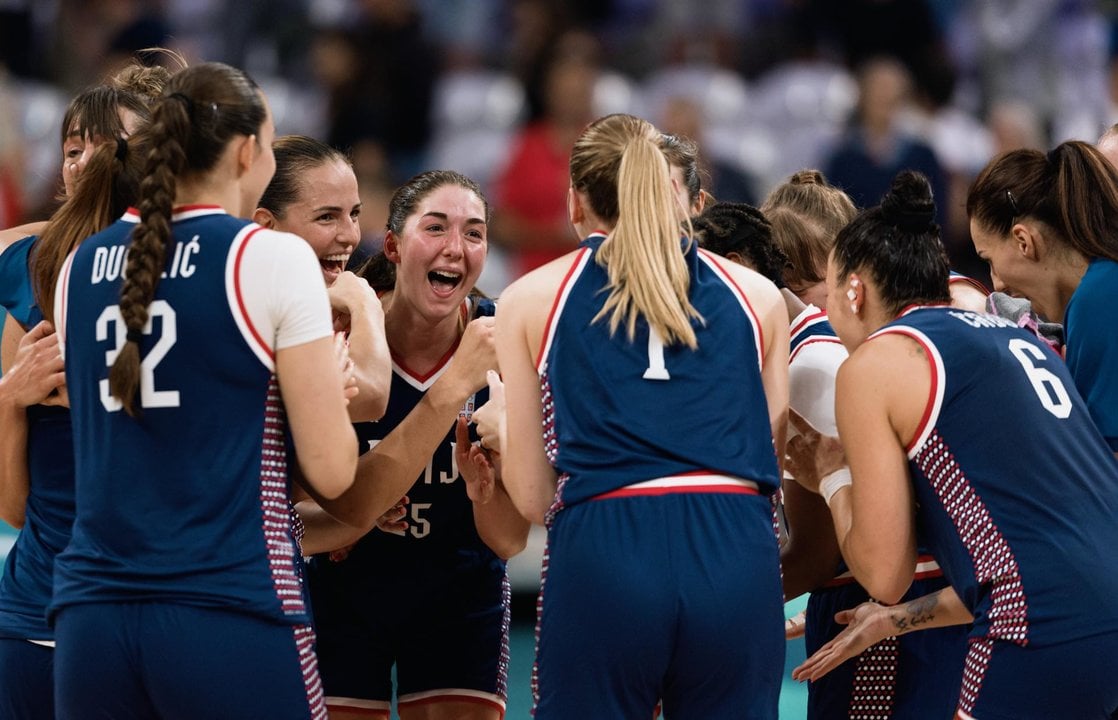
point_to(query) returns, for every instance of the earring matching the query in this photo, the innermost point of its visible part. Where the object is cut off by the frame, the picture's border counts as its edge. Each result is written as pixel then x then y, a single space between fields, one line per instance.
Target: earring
pixel 854 308
pixel 850 295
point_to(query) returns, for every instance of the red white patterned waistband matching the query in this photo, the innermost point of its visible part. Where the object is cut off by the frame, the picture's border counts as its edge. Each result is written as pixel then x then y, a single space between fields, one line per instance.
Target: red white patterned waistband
pixel 690 483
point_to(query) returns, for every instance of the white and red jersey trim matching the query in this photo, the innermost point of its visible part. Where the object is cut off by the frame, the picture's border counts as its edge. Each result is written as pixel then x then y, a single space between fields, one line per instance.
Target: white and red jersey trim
pixel 557 306
pixel 235 293
pixel 697 482
pixel 758 337
pixel 935 394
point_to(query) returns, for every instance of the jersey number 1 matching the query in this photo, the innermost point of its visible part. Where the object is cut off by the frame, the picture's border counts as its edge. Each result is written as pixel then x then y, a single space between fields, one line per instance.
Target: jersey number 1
pixel 149 396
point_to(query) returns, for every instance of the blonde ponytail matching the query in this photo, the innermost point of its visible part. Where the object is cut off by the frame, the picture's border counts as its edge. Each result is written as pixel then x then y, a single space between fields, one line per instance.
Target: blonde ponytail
pixel 617 162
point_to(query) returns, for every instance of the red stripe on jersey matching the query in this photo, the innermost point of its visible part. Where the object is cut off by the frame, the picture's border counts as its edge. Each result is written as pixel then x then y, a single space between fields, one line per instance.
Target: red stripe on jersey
pixel 555 304
pixel 805 343
pixel 240 297
pixel 821 315
pixel 749 306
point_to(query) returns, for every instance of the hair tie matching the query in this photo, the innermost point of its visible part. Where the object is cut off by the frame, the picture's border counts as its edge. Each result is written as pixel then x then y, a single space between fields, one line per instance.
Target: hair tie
pixel 133 335
pixel 186 101
pixel 121 149
pixel 914 221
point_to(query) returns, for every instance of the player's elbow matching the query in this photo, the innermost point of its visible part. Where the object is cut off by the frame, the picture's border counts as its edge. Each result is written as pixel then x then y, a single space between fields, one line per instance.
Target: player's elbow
pixel 331 473
pixel 507 547
pixel 369 404
pixel 13 516
pixel 887 587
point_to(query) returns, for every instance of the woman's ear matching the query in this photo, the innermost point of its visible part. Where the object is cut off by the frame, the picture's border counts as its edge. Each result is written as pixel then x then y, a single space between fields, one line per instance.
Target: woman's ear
pixel 1028 240
pixel 264 217
pixel 392 247
pixel 246 154
pixel 575 210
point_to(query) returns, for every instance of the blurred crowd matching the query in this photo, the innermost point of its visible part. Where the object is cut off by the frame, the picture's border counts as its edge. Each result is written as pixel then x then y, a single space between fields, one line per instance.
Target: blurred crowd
pixel 499 89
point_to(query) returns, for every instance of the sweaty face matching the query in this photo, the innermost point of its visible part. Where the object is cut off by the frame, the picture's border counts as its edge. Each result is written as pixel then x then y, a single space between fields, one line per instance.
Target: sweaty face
pixel 440 251
pixel 325 214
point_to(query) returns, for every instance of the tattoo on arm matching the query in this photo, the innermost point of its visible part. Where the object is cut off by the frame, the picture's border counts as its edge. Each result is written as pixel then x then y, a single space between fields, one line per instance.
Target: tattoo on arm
pixel 916 613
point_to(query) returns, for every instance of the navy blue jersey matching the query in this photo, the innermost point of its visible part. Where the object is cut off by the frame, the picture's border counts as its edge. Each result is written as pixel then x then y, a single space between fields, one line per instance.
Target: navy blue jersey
pixel 25 587
pixel 618 412
pixel 16 293
pixel 810 327
pixel 440 517
pixel 1015 487
pixel 1092 344
pixel 187 503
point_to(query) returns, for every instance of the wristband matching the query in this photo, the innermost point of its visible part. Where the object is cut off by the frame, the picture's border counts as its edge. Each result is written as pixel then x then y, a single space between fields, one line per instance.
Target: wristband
pixel 834 482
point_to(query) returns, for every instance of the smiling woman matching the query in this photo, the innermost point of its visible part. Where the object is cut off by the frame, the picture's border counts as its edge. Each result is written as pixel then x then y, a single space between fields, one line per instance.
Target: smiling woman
pixel 314 195
pixel 424 587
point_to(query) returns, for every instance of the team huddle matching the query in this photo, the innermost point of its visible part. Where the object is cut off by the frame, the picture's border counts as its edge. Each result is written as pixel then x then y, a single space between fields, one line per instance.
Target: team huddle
pixel 254 483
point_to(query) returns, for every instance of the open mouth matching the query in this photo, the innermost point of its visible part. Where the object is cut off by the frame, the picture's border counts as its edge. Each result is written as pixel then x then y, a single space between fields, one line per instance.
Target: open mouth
pixel 333 265
pixel 444 282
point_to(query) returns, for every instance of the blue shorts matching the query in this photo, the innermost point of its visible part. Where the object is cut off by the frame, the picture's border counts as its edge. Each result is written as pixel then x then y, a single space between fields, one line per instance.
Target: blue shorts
pixel 1077 679
pixel 674 597
pixel 155 660
pixel 26 680
pixel 918 674
pixel 449 644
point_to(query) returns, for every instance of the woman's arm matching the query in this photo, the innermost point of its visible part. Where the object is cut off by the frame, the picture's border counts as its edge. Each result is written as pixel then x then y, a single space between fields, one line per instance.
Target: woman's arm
pixel 811 555
pixel 33 372
pixel 358 311
pixel 314 399
pixel 528 476
pixel 385 473
pixel 498 523
pixel 881 393
pixel 870 623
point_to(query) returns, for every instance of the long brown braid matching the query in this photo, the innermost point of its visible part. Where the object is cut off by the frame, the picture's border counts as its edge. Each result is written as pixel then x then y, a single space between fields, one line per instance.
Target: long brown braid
pixel 202 109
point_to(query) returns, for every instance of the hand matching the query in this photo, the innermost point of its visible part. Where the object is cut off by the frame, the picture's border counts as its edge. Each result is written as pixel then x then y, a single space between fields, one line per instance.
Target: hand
pixel 349 295
pixel 490 417
pixel 810 456
pixel 345 366
pixel 795 626
pixel 393 520
pixel 867 625
pixel 477 471
pixel 476 354
pixel 37 372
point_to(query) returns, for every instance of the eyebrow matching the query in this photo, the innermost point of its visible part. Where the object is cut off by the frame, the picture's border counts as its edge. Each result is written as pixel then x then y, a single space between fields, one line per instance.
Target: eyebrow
pixel 332 208
pixel 444 216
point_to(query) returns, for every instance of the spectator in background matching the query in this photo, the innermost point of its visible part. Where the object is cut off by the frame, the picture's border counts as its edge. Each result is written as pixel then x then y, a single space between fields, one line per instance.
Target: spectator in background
pixel 380 78
pixel 875 148
pixel 683 116
pixel 532 188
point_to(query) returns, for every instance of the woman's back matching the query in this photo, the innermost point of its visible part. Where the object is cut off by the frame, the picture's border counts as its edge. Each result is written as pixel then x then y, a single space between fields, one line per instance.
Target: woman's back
pixel 619 411
pixel 1014 518
pixel 187 501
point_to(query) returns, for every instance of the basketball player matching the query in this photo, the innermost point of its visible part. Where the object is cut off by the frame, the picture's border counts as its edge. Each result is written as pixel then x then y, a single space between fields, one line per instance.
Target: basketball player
pixel 1015 516
pixel 175 361
pixel 662 577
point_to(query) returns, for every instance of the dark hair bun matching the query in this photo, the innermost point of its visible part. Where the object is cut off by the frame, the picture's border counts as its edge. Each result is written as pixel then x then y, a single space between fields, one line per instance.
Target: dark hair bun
pixel 908 205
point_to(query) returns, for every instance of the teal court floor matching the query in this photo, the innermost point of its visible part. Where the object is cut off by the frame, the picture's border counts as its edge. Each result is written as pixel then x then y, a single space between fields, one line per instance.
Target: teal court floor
pixel 793 696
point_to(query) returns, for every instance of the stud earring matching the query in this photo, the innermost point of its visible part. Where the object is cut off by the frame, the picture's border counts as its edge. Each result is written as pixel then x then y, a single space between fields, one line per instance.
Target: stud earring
pixel 854 308
pixel 850 294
